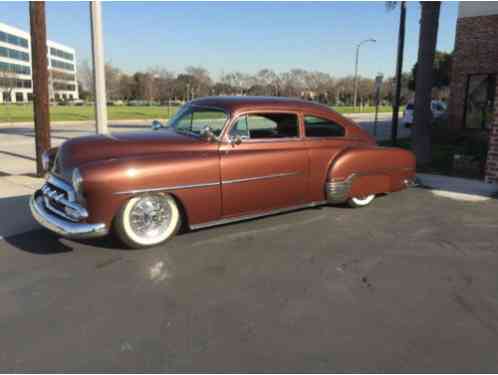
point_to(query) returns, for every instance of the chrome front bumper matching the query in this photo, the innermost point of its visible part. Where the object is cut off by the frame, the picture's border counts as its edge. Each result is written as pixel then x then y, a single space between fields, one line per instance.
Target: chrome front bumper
pixel 61 225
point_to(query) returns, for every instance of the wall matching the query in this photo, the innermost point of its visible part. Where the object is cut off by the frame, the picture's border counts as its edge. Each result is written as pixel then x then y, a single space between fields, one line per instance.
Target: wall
pixel 476 52
pixel 492 162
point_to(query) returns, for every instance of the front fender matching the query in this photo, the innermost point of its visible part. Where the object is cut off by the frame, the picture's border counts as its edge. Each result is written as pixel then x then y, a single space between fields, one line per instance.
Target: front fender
pixel 192 178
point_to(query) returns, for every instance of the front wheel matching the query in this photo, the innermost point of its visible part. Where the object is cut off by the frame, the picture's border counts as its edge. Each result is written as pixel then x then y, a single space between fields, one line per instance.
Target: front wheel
pixel 356 202
pixel 147 220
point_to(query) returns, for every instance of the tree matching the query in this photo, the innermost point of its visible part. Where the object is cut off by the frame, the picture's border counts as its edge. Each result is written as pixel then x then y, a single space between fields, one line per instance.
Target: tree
pixel 8 83
pixel 85 76
pixel 429 22
pixel 441 71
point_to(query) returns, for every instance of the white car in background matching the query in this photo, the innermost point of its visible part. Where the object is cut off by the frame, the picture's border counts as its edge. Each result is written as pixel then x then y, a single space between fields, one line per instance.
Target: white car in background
pixel 438 109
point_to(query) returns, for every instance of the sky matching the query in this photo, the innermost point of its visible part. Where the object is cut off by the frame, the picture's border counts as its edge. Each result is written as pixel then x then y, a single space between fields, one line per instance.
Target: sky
pixel 241 36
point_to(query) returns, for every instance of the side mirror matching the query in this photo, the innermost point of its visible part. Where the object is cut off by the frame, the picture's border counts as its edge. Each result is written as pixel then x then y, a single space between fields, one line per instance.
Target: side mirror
pixel 235 140
pixel 207 133
pixel 156 125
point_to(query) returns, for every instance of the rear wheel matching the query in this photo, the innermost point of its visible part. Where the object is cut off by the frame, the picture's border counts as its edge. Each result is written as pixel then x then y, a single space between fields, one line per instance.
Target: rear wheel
pixel 148 220
pixel 357 202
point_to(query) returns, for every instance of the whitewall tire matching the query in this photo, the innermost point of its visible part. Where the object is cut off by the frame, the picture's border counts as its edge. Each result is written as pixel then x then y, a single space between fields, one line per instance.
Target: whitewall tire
pixel 147 220
pixel 356 202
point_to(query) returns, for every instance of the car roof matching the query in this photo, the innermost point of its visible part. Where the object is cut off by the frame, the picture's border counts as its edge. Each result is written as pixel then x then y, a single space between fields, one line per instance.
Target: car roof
pixel 238 103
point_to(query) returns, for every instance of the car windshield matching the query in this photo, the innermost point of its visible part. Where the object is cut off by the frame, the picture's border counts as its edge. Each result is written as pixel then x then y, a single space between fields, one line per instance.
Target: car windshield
pixel 192 120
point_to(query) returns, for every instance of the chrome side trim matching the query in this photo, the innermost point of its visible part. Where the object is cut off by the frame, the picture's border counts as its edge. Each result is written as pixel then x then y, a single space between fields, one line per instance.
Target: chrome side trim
pixel 254 216
pixel 207 184
pixel 63 227
pixel 338 191
pixel 167 188
pixel 277 175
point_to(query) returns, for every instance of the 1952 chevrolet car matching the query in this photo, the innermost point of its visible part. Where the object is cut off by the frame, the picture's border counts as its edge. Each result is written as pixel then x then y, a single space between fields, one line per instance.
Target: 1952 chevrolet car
pixel 219 159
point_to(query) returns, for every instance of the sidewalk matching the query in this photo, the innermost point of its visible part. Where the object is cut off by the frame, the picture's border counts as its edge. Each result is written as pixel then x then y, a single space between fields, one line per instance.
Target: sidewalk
pixel 462 189
pixel 15 216
pixel 15 191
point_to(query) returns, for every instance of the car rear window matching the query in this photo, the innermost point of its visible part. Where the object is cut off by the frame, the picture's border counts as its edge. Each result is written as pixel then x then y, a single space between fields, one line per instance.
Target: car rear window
pixel 320 127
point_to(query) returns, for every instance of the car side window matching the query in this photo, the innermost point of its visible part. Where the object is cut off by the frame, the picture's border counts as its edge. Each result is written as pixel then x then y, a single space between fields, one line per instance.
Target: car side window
pixel 321 127
pixel 267 126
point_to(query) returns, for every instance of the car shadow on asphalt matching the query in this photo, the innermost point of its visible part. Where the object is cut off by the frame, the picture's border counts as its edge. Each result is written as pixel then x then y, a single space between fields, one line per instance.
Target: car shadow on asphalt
pixel 40 242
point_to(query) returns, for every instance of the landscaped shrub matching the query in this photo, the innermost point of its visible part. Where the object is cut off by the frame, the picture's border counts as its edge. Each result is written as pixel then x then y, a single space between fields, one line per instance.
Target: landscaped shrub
pixel 443 133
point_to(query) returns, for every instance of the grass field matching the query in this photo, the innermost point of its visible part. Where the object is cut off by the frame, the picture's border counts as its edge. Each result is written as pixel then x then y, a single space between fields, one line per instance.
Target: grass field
pixel 24 113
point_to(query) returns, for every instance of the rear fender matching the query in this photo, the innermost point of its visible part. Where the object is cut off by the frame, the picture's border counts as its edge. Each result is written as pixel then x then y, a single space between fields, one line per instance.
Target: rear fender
pixel 363 171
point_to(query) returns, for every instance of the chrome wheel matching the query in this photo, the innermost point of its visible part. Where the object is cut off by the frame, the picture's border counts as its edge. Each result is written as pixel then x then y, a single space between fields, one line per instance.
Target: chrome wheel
pixel 150 216
pixel 361 201
pixel 148 220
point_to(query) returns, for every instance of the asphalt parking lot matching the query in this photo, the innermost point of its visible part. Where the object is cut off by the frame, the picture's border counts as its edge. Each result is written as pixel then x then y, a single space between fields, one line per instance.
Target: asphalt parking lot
pixel 409 284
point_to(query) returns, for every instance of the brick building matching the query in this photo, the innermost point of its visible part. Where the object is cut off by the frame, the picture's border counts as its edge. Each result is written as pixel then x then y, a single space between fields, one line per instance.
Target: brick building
pixel 473 104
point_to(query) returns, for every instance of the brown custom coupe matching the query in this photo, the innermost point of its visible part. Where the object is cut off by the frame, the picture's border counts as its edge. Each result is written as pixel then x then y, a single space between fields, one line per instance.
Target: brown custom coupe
pixel 219 159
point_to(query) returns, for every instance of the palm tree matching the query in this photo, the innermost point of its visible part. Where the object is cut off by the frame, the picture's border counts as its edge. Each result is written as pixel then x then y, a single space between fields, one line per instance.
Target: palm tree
pixel 429 22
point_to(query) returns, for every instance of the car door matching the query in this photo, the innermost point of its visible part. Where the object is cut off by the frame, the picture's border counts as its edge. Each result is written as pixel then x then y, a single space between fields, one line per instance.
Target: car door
pixel 268 169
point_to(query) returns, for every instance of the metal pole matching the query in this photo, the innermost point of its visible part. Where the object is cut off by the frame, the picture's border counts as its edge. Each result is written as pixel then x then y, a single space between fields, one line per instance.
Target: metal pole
pixel 40 81
pixel 98 68
pixel 399 68
pixel 355 94
pixel 376 113
pixel 355 90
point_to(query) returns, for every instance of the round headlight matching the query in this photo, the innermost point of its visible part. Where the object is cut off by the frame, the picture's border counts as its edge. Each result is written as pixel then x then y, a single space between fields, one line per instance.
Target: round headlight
pixel 77 182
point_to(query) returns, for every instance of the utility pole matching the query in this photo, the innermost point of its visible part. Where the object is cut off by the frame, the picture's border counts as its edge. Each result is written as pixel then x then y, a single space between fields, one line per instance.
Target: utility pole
pixel 40 81
pixel 98 68
pixel 399 70
pixel 355 94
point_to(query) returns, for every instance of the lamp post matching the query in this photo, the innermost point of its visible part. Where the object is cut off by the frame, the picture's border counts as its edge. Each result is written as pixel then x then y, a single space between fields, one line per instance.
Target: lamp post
pixel 355 95
pixel 399 72
pixel 98 67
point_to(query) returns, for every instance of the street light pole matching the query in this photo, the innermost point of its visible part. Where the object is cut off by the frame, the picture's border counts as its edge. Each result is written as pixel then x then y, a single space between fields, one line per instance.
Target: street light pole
pixel 399 69
pixel 98 67
pixel 355 95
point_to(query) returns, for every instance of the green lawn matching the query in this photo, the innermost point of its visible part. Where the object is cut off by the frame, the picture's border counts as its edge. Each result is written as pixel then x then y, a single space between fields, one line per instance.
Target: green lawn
pixel 24 113
pixel 350 109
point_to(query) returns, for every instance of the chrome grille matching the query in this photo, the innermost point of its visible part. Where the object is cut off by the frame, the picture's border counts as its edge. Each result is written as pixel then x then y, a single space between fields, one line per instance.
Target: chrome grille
pixel 59 197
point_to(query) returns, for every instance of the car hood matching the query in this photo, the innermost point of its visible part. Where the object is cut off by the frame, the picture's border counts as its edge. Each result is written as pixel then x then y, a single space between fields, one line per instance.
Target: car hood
pixel 79 151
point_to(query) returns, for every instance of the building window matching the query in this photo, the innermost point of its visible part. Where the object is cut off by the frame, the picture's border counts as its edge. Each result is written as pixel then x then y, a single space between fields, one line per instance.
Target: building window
pixel 19 97
pixel 12 39
pixel 14 68
pixel 30 97
pixel 63 55
pixel 479 102
pixel 11 82
pixel 320 127
pixel 63 87
pixel 57 75
pixel 62 65
pixel 6 97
